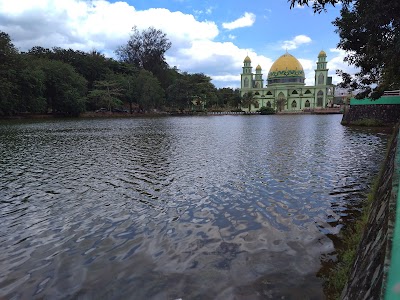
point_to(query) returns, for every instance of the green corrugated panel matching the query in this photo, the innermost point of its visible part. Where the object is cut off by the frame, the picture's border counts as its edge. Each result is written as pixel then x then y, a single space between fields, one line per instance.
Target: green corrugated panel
pixel 393 282
pixel 382 100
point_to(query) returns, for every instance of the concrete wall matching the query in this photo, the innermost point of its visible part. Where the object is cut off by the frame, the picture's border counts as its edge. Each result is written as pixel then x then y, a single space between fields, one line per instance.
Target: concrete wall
pixel 385 113
pixel 368 275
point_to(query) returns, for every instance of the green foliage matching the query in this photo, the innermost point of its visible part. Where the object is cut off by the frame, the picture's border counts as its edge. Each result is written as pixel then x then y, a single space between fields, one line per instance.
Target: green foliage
pixel 191 86
pixel 148 91
pixel 146 50
pixel 8 74
pixel 228 97
pixel 68 82
pixel 370 34
pixel 318 6
pixel 106 93
pixel 65 89
pixel 267 110
pixel 248 100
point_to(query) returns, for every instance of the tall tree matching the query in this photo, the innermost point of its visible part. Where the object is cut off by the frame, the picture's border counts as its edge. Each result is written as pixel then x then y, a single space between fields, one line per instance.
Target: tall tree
pixel 370 34
pixel 9 68
pixel 146 50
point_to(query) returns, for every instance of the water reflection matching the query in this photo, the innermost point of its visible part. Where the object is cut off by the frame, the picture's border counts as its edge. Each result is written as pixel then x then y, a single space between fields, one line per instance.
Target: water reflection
pixel 164 208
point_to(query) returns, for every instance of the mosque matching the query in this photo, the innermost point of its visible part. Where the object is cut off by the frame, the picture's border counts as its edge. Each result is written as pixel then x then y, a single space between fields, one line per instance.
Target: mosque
pixel 285 89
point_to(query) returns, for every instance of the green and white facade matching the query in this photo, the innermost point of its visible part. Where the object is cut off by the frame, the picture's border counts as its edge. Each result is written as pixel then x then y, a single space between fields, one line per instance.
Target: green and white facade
pixel 285 89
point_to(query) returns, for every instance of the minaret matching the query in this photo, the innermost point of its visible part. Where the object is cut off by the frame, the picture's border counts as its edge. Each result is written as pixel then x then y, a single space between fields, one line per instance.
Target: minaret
pixel 246 76
pixel 258 81
pixel 321 73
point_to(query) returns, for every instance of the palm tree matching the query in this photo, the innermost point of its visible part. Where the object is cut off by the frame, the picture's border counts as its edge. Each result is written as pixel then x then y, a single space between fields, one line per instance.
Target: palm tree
pixel 248 99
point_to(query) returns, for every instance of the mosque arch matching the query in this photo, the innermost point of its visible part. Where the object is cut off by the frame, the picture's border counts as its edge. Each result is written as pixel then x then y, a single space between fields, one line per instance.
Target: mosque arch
pixel 281 101
pixel 320 97
pixel 294 104
pixel 268 104
pixel 308 92
pixel 269 93
pixel 294 92
pixel 307 104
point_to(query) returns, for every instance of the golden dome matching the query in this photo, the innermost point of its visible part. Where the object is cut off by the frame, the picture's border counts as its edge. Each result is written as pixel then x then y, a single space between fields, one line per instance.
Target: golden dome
pixel 322 53
pixel 258 67
pixel 286 66
pixel 247 59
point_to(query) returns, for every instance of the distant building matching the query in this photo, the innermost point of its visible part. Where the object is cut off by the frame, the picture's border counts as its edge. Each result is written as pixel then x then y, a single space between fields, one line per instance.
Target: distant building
pixel 285 89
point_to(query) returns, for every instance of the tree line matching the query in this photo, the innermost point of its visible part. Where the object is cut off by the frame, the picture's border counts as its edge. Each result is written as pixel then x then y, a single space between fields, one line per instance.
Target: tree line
pixel 69 82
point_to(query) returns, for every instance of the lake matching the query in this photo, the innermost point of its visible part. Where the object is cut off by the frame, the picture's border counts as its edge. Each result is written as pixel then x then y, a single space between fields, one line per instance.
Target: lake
pixel 201 207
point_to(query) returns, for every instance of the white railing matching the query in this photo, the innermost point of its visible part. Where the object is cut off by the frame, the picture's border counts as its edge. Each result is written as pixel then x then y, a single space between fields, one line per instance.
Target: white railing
pixel 391 93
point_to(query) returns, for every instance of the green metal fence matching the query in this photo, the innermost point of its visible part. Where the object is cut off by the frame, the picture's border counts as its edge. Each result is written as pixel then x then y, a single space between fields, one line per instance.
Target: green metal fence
pixel 382 100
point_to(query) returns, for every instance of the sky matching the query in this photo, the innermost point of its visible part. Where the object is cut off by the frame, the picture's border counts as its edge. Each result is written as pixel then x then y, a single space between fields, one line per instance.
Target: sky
pixel 210 37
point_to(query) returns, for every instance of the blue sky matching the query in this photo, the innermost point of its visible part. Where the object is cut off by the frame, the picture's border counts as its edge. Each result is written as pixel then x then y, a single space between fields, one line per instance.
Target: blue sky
pixel 211 37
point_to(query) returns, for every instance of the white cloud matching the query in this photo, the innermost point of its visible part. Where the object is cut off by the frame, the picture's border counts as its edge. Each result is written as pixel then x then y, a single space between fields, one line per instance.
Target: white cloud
pixel 308 67
pixel 337 63
pixel 96 24
pixel 102 25
pixel 296 42
pixel 246 20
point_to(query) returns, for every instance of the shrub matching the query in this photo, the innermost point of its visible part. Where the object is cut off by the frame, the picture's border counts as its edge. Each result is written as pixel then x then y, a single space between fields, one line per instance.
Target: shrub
pixel 266 110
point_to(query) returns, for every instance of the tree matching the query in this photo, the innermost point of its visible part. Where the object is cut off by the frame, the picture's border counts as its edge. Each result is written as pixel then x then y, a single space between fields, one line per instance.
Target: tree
pixel 229 97
pixel 9 67
pixel 178 93
pixel 106 93
pixel 148 91
pixel 248 100
pixel 146 50
pixel 64 88
pixel 318 5
pixel 31 87
pixel 370 34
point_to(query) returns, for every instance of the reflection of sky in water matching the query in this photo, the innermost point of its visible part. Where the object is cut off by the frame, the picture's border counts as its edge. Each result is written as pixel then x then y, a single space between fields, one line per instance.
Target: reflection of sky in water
pixel 177 207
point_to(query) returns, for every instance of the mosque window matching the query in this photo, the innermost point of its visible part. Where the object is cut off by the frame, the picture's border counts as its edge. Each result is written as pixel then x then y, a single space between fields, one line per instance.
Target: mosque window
pixel 269 93
pixel 307 92
pixel 321 78
pixel 268 104
pixel 320 97
pixel 294 104
pixel 256 105
pixel 246 82
pixel 294 92
pixel 256 93
pixel 307 104
pixel 257 85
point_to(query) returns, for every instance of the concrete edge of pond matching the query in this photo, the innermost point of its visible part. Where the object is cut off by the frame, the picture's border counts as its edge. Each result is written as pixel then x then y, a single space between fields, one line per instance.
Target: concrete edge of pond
pixel 392 290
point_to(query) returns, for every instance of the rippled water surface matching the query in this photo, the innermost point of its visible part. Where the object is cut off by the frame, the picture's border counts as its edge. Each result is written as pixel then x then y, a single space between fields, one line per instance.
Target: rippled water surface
pixel 218 207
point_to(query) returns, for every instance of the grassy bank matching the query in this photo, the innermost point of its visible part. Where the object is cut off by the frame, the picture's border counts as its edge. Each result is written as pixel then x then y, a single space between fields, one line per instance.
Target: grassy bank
pixel 351 237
